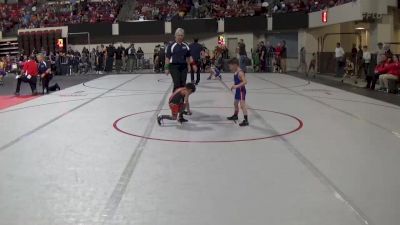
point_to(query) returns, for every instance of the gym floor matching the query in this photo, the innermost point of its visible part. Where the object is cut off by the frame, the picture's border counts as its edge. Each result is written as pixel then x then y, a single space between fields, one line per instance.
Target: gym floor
pixel 93 154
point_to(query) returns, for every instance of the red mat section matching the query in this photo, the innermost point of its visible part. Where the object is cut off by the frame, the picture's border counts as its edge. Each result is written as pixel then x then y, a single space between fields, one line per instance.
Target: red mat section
pixel 8 101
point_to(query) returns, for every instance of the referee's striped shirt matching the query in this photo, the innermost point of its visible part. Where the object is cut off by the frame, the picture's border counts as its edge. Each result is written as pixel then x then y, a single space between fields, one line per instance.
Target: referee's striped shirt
pixel 178 53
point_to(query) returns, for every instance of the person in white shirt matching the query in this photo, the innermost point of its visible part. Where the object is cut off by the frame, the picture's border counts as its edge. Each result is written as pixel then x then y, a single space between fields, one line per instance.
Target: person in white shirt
pixel 366 60
pixel 380 54
pixel 339 55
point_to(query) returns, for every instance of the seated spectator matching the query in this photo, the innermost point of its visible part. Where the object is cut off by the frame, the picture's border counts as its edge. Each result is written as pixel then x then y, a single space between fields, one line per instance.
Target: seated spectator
pixel 379 69
pixel 389 72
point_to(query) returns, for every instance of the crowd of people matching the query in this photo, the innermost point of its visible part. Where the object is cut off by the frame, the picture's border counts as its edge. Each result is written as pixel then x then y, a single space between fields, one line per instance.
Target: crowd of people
pixel 361 62
pixel 168 10
pixel 269 58
pixel 10 14
pixel 30 14
pixel 61 13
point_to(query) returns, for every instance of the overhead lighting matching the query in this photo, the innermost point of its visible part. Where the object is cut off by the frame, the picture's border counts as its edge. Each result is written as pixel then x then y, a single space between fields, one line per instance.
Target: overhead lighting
pixel 360 28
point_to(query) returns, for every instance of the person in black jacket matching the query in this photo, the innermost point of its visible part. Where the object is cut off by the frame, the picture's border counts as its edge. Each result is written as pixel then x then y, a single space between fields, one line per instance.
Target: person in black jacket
pixel 110 58
pixel 195 52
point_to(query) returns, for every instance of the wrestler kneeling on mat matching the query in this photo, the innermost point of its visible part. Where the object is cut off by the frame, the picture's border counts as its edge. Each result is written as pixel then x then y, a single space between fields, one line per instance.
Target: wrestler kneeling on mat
pixel 178 103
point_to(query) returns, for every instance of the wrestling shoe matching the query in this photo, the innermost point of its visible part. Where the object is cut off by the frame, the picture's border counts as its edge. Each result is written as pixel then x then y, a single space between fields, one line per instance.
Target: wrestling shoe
pixel 234 117
pixel 245 123
pixel 159 120
pixel 182 120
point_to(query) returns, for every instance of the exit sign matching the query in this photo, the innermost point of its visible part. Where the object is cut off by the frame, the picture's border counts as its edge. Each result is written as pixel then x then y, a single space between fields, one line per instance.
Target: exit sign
pixel 324 16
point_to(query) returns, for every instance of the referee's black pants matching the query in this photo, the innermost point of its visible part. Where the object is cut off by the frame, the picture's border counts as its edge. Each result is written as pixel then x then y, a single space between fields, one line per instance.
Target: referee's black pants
pixel 178 74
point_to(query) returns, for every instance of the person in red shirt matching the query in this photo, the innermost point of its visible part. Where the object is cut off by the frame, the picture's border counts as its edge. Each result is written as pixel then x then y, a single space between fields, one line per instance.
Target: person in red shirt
pixel 278 57
pixel 371 80
pixel 29 75
pixel 389 72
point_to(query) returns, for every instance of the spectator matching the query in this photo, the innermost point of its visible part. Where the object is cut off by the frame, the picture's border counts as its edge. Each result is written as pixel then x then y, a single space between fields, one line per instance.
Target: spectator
pixel 140 57
pixel 303 64
pixel 390 72
pixel 131 51
pixel 354 53
pixel 263 57
pixel 349 70
pixel 359 61
pixel 270 52
pixel 161 56
pixel 380 54
pixel 284 57
pixel 110 53
pixel 339 56
pixel 241 50
pixel 255 55
pixel 312 65
pixel 371 80
pixel 119 54
pixel 195 52
pixel 366 60
pixel 100 55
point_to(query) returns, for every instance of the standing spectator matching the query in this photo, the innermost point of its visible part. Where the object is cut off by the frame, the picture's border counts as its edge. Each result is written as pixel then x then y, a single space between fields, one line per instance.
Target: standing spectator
pixel 380 54
pixel 302 64
pixel 29 75
pixel 241 50
pixel 92 58
pixel 366 60
pixel 263 57
pixel 269 56
pixel 339 56
pixel 131 51
pixel 195 52
pixel 359 61
pixel 119 54
pixel 140 57
pixel 312 65
pixel 278 57
pixel 110 53
pixel 178 59
pixel 99 59
pixel 284 57
pixel 156 59
pixel 161 56
pixel 354 53
pixel 255 55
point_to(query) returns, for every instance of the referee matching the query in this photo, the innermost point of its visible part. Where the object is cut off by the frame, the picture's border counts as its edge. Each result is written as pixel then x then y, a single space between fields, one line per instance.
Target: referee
pixel 45 74
pixel 178 60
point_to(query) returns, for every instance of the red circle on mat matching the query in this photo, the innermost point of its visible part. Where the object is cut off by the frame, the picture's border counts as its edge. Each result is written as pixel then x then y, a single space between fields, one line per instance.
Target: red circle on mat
pixel 299 127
